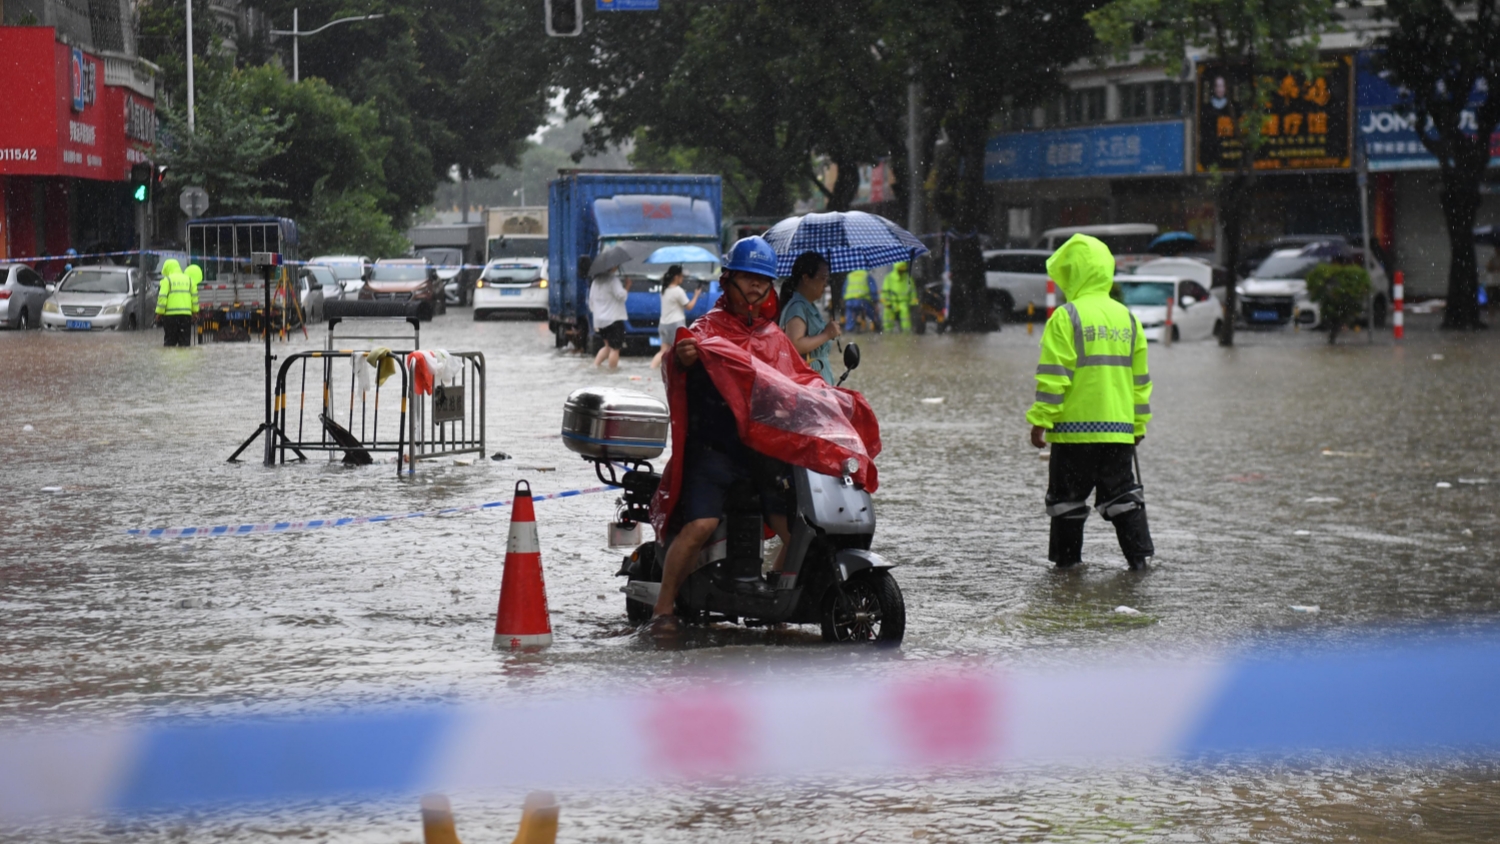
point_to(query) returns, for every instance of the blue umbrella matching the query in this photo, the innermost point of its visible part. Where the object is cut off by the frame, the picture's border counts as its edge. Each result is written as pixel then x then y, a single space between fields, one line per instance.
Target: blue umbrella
pixel 682 255
pixel 850 240
pixel 1174 242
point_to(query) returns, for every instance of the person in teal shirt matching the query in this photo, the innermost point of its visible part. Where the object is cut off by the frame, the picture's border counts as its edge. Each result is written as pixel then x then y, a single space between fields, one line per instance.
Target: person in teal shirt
pixel 811 335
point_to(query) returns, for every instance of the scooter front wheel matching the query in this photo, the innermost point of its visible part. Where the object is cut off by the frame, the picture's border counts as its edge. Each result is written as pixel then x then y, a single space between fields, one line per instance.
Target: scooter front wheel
pixel 869 608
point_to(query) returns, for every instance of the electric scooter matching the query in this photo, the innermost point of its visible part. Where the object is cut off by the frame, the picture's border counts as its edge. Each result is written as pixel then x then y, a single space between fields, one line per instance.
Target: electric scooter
pixel 830 577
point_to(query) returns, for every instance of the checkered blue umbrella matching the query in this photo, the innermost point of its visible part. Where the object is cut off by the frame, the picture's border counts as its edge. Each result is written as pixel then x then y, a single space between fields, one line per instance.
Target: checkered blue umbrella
pixel 850 240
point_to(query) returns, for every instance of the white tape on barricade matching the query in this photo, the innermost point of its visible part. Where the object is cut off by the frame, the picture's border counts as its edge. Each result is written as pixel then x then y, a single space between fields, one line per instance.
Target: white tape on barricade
pixel 1436 694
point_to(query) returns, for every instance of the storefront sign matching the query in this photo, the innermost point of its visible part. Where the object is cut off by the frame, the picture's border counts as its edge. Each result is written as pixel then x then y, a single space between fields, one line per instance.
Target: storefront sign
pixel 83 71
pixel 1305 125
pixel 59 119
pixel 1390 134
pixel 1139 149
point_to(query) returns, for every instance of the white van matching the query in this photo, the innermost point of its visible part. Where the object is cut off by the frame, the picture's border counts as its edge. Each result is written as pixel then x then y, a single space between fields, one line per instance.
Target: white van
pixel 1130 242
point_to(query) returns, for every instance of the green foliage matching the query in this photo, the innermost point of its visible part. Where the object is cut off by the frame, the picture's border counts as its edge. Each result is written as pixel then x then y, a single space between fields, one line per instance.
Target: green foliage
pixel 1340 291
pixel 348 222
pixel 227 151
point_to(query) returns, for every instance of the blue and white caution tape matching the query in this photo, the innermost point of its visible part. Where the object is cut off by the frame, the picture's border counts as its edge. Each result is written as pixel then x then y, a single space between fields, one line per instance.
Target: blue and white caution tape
pixel 1390 698
pixel 253 529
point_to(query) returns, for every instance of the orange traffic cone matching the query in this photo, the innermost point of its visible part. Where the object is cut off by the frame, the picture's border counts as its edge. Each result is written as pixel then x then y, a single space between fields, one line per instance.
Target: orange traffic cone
pixel 522 622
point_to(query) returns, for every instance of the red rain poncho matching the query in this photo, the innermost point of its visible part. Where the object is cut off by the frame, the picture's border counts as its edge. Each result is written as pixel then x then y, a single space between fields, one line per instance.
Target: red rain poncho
pixel 783 408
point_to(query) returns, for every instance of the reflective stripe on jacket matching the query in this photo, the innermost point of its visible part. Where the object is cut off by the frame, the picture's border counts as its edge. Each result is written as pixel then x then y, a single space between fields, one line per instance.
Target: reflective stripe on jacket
pixel 857 285
pixel 1092 381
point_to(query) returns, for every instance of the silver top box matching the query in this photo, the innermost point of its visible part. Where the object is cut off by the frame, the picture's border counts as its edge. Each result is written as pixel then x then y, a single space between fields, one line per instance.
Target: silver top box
pixel 603 423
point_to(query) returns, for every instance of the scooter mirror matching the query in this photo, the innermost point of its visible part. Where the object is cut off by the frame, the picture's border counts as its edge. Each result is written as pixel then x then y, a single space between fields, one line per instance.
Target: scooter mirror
pixel 851 356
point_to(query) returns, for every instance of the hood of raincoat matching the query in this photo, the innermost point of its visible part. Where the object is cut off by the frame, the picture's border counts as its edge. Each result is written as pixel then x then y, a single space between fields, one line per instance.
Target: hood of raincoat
pixel 1083 266
pixel 782 408
pixel 170 267
pixel 194 273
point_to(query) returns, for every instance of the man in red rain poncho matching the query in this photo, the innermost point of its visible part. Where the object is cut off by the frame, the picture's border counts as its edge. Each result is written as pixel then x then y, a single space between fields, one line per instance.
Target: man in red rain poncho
pixel 744 405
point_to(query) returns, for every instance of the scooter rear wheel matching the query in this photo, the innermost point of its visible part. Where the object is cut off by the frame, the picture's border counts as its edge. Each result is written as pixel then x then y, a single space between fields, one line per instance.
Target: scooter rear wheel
pixel 869 608
pixel 648 570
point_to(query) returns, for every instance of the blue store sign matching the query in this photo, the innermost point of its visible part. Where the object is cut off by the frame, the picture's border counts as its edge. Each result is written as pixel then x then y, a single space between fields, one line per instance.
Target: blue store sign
pixel 1390 135
pixel 626 5
pixel 1138 149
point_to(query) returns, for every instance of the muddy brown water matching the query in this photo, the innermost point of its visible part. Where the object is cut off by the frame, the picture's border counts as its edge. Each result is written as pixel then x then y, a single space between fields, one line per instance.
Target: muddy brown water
pixel 1282 472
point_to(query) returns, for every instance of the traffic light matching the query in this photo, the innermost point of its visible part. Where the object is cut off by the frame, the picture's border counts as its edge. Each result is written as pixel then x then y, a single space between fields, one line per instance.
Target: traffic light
pixel 564 17
pixel 158 177
pixel 141 177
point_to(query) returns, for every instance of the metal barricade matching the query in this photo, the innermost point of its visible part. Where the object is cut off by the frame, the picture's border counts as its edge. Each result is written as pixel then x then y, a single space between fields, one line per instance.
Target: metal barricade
pixel 393 418
pixel 450 420
pixel 377 418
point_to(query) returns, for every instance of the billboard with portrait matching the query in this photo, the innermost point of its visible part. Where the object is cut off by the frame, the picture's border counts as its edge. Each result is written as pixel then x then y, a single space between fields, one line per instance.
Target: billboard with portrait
pixel 1306 123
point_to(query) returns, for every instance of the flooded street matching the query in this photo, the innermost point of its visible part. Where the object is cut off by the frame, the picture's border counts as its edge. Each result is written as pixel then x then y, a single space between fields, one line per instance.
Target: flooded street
pixel 1358 479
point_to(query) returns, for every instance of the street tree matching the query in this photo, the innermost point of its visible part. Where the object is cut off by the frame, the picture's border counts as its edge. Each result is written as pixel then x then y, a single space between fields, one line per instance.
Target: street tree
pixel 1445 59
pixel 974 58
pixel 228 148
pixel 1257 36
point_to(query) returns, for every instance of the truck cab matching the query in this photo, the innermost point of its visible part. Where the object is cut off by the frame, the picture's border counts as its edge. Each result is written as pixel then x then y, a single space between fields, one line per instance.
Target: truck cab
pixel 590 212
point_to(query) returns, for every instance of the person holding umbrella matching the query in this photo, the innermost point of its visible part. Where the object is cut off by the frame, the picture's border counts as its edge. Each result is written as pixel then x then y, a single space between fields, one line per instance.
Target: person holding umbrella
pixel 607 296
pixel 674 307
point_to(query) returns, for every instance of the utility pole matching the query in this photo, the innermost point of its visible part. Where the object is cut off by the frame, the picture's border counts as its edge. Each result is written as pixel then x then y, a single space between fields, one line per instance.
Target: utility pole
pixel 190 62
pixel 297 33
pixel 913 159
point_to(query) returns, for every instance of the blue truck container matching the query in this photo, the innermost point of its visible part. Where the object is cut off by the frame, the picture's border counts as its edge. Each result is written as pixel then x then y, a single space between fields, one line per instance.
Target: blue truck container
pixel 589 212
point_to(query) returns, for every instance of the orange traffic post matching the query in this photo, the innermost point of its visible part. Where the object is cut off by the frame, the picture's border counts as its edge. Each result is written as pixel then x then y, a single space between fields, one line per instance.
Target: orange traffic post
pixel 521 622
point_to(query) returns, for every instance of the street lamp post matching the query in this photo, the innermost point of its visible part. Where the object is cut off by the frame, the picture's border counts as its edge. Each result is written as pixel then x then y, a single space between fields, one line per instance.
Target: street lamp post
pixel 189 5
pixel 296 32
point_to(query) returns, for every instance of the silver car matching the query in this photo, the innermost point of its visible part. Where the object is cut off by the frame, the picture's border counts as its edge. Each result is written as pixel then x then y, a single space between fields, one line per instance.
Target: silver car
pixel 22 295
pixel 101 297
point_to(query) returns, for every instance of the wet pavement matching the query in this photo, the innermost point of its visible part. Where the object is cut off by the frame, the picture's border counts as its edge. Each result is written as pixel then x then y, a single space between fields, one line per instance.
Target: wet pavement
pixel 1280 473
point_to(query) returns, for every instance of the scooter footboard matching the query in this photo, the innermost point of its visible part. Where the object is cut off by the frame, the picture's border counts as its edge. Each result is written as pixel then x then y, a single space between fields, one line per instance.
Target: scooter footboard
pixel 849 562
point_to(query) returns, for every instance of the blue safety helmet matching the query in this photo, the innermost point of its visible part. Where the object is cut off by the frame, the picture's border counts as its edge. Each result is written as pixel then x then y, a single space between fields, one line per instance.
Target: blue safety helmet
pixel 752 255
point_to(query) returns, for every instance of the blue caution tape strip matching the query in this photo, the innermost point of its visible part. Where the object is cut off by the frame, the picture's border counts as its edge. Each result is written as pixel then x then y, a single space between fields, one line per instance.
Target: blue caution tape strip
pixel 254 529
pixel 1431 694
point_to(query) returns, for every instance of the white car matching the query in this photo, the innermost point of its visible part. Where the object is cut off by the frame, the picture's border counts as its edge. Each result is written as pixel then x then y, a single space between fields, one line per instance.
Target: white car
pixel 1276 291
pixel 512 285
pixel 1196 310
pixel 96 297
pixel 1016 278
pixel 352 271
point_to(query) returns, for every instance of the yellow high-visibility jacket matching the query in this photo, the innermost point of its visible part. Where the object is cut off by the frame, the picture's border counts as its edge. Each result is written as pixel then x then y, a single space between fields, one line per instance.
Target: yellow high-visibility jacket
pixel 1092 382
pixel 178 295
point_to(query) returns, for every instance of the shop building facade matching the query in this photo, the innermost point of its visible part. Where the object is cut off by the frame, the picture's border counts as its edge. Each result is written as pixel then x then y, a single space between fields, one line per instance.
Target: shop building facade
pixel 1134 144
pixel 77 119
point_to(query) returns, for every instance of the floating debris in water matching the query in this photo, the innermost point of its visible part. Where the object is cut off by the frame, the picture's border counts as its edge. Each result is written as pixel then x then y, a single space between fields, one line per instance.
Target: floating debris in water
pixel 463 461
pixel 52 489
pixel 933 400
pixel 1301 533
pixel 499 455
pixel 27 428
pixel 1477 481
pixel 1444 485
pixel 1435 357
pixel 1322 499
pixel 1328 452
pixel 1123 610
pixel 1304 608
pixel 1467 532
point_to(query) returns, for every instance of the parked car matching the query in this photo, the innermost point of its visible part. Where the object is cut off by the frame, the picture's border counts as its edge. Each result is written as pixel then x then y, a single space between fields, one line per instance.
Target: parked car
pixel 1204 272
pixel 515 285
pixel 405 279
pixel 1016 278
pixel 101 297
pixel 22 295
pixel 1196 311
pixel 333 288
pixel 1276 291
pixel 351 270
pixel 449 265
pixel 1130 242
pixel 313 285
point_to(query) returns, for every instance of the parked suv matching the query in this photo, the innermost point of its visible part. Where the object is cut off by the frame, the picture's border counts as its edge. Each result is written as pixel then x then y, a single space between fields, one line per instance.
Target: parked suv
pixel 405 279
pixel 1016 278
pixel 22 293
pixel 1276 291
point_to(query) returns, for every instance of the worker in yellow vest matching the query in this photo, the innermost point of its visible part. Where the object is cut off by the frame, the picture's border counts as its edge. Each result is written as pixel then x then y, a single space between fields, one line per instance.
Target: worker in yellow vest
pixel 857 301
pixel 897 297
pixel 176 302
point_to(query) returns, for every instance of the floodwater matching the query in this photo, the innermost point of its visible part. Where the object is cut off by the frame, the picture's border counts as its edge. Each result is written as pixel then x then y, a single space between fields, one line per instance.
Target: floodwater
pixel 1282 472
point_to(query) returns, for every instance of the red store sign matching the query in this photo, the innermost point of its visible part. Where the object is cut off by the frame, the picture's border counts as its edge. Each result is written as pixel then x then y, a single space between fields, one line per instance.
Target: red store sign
pixel 61 119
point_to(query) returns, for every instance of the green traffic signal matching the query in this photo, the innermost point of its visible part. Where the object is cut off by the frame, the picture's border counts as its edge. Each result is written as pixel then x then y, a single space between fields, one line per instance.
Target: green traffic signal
pixel 140 193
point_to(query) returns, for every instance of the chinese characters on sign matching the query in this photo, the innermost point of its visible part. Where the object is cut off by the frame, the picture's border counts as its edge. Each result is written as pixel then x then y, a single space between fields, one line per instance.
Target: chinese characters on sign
pixel 1305 123
pixel 1139 149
